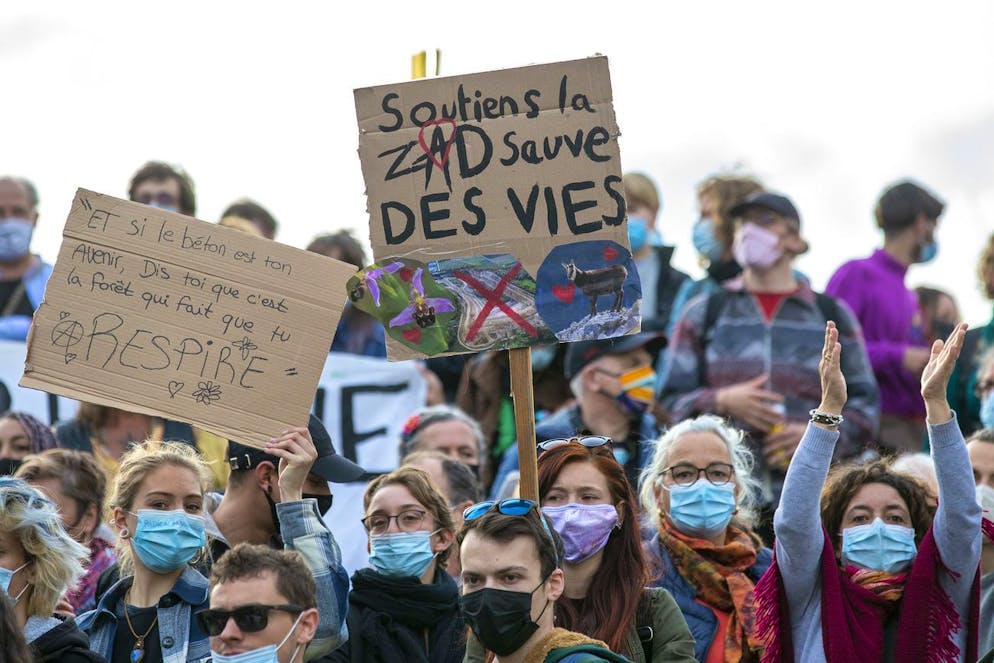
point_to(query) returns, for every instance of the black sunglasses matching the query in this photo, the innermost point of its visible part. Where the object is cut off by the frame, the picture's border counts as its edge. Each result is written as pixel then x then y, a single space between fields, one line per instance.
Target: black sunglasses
pixel 249 618
pixel 589 441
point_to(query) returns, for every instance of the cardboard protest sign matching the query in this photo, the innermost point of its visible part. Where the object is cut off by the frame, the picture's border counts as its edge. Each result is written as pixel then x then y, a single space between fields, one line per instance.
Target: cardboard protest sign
pixel 155 312
pixel 497 213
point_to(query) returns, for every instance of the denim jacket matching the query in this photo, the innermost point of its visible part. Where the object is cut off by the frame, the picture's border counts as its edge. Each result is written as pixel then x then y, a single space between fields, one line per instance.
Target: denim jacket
pixel 302 529
pixel 180 637
pixel 700 618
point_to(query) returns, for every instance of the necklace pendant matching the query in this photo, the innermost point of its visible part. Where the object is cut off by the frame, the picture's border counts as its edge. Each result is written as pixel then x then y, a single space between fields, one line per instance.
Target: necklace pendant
pixel 138 653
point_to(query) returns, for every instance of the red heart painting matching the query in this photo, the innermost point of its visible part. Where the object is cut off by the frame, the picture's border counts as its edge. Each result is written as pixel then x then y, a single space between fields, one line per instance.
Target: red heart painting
pixel 413 335
pixel 405 274
pixel 448 141
pixel 610 253
pixel 564 293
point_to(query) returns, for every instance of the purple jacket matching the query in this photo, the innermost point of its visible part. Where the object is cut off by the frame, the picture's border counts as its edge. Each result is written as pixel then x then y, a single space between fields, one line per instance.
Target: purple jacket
pixel 891 320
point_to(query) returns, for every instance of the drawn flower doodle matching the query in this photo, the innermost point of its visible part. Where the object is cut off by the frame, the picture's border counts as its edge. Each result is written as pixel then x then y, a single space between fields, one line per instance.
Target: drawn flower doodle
pixel 245 346
pixel 207 393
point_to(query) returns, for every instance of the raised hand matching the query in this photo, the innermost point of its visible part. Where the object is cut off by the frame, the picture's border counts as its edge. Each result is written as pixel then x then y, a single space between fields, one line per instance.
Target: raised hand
pixel 935 377
pixel 297 454
pixel 833 383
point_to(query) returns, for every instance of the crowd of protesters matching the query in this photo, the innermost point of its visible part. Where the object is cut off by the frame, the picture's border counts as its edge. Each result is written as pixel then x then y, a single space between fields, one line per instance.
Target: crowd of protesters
pixel 811 478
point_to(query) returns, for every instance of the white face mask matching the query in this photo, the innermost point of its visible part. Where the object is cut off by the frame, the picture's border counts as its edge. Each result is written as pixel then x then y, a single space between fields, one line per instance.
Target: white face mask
pixel 266 654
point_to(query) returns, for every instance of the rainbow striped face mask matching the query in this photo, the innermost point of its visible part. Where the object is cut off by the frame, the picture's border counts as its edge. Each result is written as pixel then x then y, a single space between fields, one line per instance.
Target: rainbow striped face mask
pixel 639 390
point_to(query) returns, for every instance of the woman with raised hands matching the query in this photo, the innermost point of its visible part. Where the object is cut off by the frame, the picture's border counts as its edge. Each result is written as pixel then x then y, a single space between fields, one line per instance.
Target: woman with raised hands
pixel 864 570
pixel 699 490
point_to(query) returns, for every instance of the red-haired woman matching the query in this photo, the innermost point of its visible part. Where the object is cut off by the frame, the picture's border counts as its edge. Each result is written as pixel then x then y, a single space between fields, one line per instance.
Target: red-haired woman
pixel 585 495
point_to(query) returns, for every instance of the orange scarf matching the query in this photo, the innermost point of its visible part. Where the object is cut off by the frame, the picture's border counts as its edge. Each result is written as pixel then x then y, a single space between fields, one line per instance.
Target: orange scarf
pixel 717 573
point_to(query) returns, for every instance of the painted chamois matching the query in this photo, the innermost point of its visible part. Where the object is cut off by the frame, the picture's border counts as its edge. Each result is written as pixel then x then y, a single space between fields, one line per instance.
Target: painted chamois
pixel 597 282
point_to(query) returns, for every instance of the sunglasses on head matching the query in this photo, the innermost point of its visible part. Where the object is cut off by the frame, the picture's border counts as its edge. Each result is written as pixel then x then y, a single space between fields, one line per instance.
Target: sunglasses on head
pixel 515 506
pixel 589 441
pixel 248 618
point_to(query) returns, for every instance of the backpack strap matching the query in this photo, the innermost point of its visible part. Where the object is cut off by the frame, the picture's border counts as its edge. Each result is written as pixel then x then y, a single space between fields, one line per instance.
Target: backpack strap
pixel 713 307
pixel 643 623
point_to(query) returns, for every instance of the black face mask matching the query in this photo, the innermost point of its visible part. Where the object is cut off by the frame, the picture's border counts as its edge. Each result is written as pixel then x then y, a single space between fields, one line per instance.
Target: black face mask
pixel 324 502
pixel 9 465
pixel 501 620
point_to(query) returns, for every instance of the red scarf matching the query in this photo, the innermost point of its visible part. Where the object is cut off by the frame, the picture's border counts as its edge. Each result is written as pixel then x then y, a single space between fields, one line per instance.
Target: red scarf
pixel 853 614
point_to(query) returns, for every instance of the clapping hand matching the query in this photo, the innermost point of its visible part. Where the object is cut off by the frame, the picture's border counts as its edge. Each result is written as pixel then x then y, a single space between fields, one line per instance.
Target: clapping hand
pixel 936 375
pixel 833 383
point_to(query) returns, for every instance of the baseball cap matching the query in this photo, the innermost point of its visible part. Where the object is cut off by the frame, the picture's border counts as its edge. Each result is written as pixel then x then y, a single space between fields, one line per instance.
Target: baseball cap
pixel 329 465
pixel 581 353
pixel 771 201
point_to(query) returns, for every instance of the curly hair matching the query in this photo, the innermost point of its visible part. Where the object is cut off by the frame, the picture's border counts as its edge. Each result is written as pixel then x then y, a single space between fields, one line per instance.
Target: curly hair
pixel 136 464
pixel 844 481
pixel 55 558
pixel 985 268
pixel 291 577
pixel 727 190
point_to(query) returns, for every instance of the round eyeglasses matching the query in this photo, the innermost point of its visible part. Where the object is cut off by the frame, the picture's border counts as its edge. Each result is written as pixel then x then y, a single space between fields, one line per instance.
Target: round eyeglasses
pixel 685 474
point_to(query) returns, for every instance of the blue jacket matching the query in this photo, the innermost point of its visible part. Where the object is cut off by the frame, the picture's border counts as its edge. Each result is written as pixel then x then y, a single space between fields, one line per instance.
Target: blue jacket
pixel 700 618
pixel 180 637
pixel 15 327
pixel 568 423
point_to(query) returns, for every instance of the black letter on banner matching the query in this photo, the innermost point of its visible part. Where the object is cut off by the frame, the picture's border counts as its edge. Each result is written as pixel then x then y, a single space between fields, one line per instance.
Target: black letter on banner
pixel 387 98
pixel 619 199
pixel 388 227
pixel 572 208
pixel 351 438
pixel 465 170
pixel 428 215
pixel 525 216
pixel 481 219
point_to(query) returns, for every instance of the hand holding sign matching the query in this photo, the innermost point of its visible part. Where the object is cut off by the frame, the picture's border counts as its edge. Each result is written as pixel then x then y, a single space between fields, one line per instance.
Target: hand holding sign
pixel 158 313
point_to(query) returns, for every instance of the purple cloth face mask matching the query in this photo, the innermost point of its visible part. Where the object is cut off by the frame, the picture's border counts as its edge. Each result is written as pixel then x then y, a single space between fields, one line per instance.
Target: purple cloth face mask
pixel 584 528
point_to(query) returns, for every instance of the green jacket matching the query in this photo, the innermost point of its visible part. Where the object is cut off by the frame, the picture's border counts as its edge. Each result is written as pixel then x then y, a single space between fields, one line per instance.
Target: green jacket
pixel 584 654
pixel 671 638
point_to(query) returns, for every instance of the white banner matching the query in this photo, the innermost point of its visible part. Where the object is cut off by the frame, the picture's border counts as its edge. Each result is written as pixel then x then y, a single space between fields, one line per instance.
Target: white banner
pixel 364 403
pixel 46 407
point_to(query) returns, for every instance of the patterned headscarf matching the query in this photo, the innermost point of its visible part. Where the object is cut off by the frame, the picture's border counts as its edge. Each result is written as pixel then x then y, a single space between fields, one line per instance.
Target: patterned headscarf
pixel 41 436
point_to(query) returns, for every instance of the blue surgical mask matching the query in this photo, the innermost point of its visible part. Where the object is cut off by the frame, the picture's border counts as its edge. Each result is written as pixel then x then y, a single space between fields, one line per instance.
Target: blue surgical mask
pixel 167 540
pixel 267 654
pixel 929 251
pixel 163 206
pixel 15 238
pixel 638 232
pixel 705 241
pixel 542 357
pixel 6 575
pixel 401 554
pixel 879 547
pixel 702 510
pixel 987 411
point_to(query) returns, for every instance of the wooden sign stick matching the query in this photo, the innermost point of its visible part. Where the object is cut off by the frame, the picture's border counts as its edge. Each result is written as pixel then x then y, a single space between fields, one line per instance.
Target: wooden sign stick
pixel 524 420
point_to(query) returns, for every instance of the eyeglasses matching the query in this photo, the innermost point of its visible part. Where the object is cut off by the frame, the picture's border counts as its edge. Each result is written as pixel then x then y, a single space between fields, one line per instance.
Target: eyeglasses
pixel 511 507
pixel 248 618
pixel 685 474
pixel 589 441
pixel 407 521
pixel 161 198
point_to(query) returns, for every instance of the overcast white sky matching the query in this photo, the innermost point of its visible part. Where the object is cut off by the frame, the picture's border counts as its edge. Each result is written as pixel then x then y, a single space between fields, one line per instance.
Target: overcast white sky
pixel 826 103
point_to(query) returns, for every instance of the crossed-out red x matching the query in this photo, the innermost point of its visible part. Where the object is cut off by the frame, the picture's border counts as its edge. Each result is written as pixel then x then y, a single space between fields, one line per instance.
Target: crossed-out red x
pixel 494 301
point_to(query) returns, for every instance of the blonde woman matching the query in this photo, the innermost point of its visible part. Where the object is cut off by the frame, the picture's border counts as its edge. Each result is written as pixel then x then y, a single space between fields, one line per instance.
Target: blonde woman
pixel 157 505
pixel 39 562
